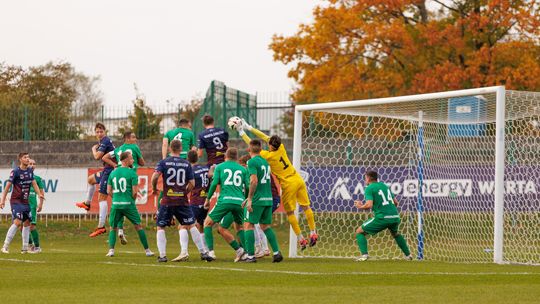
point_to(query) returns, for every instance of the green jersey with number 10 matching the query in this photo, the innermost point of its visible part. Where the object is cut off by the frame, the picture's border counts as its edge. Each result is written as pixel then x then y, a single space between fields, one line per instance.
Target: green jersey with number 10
pixel 383 200
pixel 122 180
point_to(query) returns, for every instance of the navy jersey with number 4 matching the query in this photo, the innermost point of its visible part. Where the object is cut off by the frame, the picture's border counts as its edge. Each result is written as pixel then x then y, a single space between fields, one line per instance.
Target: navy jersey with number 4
pixel 105 146
pixel 22 181
pixel 198 195
pixel 176 173
pixel 214 141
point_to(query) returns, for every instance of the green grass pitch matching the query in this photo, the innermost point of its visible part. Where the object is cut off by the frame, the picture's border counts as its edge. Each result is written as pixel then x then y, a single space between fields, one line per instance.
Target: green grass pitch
pixel 73 269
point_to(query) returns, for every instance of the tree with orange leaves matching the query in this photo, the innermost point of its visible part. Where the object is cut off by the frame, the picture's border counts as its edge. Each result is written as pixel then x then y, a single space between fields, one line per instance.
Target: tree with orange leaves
pixel 358 49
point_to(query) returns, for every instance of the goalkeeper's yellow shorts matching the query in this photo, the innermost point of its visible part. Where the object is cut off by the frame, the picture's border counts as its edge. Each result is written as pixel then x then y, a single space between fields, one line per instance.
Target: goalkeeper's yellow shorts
pixel 293 190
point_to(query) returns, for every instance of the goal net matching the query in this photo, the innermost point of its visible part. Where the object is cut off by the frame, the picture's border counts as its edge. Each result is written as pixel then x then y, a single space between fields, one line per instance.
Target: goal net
pixel 464 166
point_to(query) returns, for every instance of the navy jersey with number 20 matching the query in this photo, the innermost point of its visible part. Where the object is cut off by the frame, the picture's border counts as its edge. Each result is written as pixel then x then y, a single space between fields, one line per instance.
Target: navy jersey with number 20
pixel 176 173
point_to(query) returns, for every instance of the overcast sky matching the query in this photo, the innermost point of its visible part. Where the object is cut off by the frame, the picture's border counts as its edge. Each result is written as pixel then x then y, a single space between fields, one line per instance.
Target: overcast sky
pixel 171 49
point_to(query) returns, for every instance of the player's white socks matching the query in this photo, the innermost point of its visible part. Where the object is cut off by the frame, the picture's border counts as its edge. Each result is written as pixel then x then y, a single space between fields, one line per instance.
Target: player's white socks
pixel 10 234
pixel 184 241
pixel 120 231
pixel 203 240
pixel 161 243
pixel 90 192
pixel 25 237
pixel 196 236
pixel 103 208
pixel 259 234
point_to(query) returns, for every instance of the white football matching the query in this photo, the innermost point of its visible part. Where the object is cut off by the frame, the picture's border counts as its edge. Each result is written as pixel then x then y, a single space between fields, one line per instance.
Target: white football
pixel 233 122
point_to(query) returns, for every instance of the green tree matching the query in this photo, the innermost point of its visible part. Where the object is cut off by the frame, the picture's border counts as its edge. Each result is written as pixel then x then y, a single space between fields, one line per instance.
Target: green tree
pixel 38 102
pixel 142 120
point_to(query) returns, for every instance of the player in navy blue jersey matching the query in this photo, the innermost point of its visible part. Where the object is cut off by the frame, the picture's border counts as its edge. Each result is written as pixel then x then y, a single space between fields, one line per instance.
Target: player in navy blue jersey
pixel 214 141
pixel 21 178
pixel 177 183
pixel 105 146
pixel 198 194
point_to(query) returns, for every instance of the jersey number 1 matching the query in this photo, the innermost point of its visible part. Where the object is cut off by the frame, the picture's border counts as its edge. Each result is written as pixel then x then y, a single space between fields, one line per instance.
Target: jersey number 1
pixel 285 165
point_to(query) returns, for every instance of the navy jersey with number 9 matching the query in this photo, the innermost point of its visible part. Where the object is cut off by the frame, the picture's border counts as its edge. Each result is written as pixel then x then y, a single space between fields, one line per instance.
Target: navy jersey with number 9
pixel 214 141
pixel 177 173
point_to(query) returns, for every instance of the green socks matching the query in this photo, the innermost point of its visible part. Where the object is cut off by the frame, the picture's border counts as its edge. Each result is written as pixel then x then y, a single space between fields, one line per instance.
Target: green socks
pixel 242 237
pixel 362 243
pixel 402 243
pixel 250 242
pixel 209 238
pixel 234 244
pixel 112 238
pixel 271 236
pixel 142 238
pixel 35 237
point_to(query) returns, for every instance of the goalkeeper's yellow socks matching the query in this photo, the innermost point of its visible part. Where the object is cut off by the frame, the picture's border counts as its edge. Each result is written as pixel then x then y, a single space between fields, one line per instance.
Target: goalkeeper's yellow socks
pixel 209 238
pixel 402 243
pixel 310 219
pixel 362 243
pixel 294 223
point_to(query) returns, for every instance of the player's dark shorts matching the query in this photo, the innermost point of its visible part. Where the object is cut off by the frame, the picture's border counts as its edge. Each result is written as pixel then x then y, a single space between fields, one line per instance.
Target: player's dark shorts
pixel 199 213
pixel 276 201
pixel 183 214
pixel 21 212
pixel 102 178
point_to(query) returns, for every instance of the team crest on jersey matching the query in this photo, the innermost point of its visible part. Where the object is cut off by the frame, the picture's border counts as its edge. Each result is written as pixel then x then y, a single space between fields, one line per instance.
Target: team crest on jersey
pixel 142 194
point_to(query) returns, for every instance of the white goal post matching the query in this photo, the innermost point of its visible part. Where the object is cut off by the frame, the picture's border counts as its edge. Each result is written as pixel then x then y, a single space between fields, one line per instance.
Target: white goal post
pixel 444 156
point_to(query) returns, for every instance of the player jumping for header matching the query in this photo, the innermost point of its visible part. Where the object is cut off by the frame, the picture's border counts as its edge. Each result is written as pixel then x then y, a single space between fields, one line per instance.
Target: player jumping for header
pixel 292 184
pixel 382 201
pixel 104 146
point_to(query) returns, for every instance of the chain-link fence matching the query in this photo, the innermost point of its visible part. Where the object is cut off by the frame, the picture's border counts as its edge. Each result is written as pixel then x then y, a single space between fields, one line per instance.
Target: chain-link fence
pixel 271 112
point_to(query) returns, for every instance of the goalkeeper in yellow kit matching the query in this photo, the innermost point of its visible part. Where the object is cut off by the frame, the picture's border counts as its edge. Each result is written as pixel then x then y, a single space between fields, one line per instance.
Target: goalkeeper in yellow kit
pixel 292 184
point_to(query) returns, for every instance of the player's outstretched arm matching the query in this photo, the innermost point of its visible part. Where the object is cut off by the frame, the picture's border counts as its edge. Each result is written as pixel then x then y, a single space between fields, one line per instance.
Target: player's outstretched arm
pixel 107 158
pixel 164 148
pixel 213 186
pixel 155 178
pixel 255 131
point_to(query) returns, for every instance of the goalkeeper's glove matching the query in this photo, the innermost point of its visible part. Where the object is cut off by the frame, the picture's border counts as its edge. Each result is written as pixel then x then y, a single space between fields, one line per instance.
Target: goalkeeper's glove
pixel 240 128
pixel 246 125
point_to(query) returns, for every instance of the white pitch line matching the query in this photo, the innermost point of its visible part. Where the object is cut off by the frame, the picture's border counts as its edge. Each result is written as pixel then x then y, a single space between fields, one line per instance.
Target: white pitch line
pixel 22 261
pixel 304 273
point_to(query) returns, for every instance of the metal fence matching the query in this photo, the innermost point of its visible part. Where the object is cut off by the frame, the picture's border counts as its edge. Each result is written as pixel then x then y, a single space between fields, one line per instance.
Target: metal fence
pixel 267 111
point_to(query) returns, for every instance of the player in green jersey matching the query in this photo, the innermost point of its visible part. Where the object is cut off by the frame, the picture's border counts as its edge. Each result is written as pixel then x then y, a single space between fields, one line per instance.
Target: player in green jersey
pixel 130 145
pixel 184 134
pixel 113 159
pixel 380 199
pixel 123 187
pixel 258 206
pixel 34 209
pixel 233 180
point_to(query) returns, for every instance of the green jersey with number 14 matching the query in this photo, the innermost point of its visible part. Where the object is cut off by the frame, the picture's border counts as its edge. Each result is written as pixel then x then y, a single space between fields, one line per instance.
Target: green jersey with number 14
pixel 383 200
pixel 122 180
pixel 234 182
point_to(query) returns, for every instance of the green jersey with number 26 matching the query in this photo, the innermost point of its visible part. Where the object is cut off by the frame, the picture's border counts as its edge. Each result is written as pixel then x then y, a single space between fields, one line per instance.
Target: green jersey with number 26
pixel 234 182
pixel 383 200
